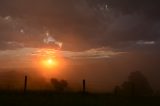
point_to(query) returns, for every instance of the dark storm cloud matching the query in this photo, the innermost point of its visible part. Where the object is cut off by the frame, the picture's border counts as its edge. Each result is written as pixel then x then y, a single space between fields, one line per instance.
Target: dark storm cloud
pixel 147 7
pixel 102 22
pixel 68 18
pixel 134 21
pixel 15 31
pixel 131 21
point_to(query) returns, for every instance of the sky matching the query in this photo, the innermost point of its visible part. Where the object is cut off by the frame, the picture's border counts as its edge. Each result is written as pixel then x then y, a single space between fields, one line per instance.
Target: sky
pixel 103 39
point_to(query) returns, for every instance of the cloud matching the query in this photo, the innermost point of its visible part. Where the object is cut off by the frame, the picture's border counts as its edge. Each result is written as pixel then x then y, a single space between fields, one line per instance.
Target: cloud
pixel 16 31
pixel 28 56
pixel 49 40
pixel 92 54
pixel 6 19
pixel 98 53
pixel 80 25
pixel 16 44
pixel 11 45
pixel 141 42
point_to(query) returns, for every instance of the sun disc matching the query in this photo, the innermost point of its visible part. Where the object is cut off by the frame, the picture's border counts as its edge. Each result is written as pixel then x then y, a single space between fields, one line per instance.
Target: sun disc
pixel 50 63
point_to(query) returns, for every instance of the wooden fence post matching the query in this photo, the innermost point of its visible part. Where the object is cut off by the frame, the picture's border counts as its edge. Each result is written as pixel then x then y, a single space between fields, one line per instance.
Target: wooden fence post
pixel 84 86
pixel 25 84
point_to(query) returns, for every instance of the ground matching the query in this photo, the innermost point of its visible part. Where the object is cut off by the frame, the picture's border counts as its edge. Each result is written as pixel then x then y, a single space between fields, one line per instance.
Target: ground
pixel 74 99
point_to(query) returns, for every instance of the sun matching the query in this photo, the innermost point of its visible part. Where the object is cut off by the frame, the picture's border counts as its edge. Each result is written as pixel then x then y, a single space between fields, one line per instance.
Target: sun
pixel 50 63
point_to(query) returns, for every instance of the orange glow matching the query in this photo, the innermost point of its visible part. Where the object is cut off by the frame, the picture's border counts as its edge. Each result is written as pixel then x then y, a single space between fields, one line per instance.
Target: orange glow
pixel 50 63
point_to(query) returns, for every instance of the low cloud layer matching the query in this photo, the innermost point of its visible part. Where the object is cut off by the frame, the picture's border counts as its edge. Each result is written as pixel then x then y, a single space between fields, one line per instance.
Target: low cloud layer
pixel 27 56
pixel 98 53
pixel 146 42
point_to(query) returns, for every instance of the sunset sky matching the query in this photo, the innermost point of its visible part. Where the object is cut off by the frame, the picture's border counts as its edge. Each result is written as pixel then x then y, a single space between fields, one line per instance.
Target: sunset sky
pixel 99 40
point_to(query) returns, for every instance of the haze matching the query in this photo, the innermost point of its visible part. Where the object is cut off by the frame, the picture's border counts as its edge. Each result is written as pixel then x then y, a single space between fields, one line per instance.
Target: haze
pixel 101 41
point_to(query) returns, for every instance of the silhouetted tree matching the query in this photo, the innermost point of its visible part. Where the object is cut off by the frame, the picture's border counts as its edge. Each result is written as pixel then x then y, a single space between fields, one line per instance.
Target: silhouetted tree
pixel 137 84
pixel 59 86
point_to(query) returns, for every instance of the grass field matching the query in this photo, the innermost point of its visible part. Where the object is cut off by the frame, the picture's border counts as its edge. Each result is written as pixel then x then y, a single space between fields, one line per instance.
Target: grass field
pixel 73 99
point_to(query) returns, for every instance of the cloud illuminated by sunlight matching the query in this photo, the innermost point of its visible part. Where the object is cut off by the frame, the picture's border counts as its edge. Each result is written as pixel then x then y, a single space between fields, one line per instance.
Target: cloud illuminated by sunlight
pixel 52 58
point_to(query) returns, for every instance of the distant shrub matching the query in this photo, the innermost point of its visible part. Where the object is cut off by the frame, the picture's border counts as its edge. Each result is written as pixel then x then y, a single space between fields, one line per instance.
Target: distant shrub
pixel 59 85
